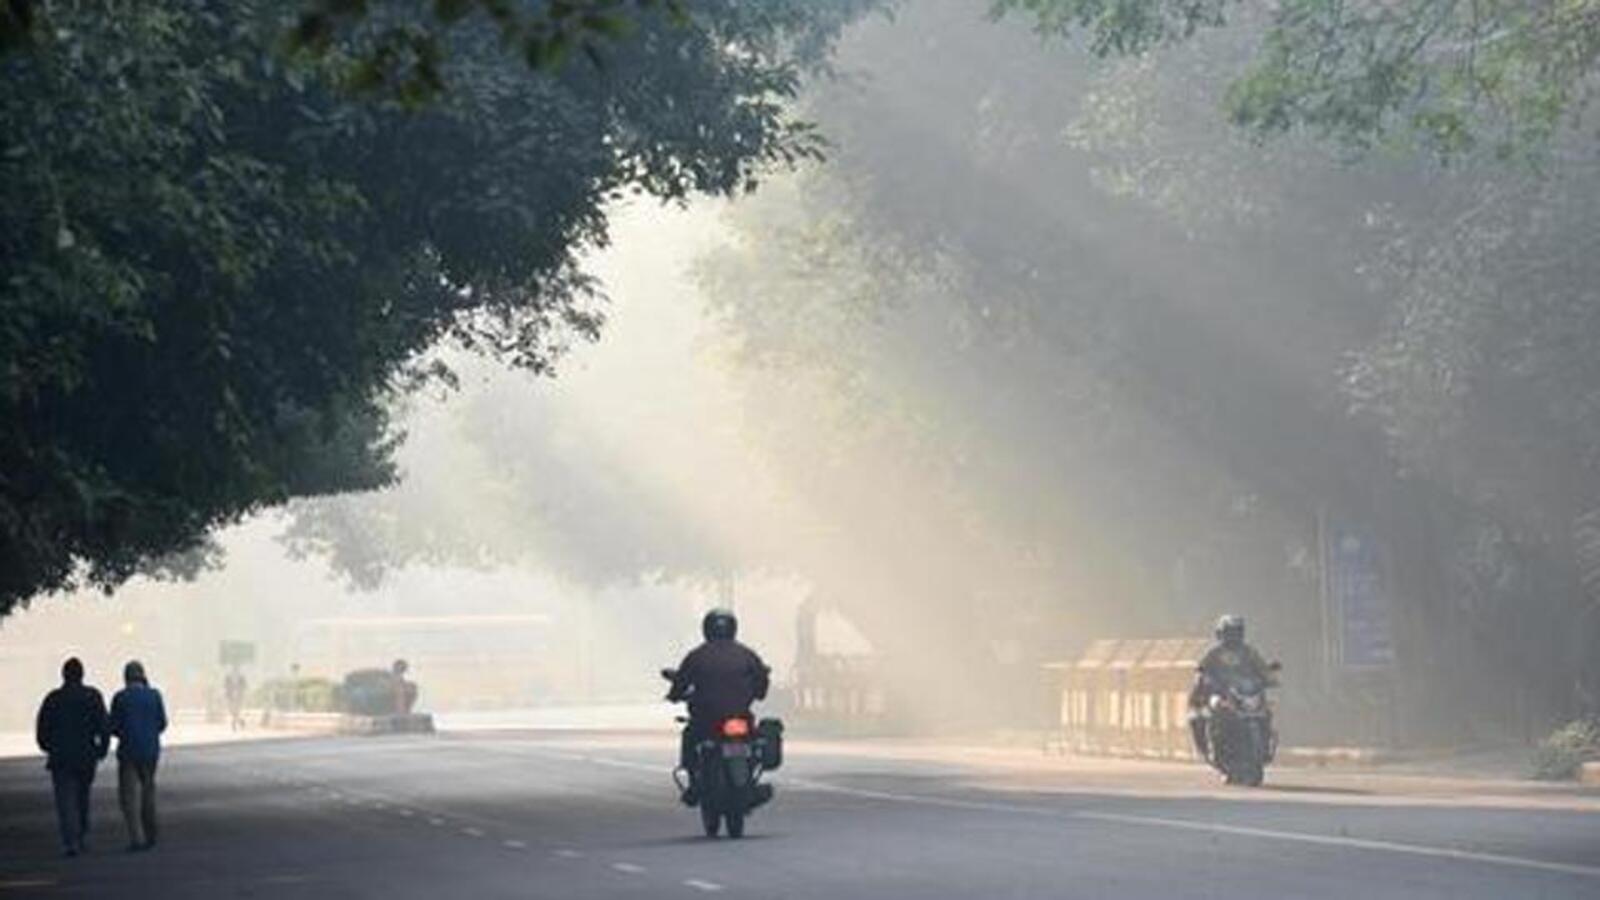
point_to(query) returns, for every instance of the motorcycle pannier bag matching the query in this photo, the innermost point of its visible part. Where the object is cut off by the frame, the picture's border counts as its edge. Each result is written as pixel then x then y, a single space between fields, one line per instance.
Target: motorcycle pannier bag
pixel 770 735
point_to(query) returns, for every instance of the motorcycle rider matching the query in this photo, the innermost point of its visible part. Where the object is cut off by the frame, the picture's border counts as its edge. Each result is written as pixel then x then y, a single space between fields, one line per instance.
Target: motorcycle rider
pixel 1228 659
pixel 720 679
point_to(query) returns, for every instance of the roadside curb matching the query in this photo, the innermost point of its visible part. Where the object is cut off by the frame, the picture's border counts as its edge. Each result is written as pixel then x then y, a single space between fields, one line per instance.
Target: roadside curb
pixel 1302 757
pixel 1323 757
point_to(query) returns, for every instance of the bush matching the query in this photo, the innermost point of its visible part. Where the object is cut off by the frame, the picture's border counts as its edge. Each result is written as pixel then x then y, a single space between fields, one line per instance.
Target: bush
pixel 1570 746
pixel 298 695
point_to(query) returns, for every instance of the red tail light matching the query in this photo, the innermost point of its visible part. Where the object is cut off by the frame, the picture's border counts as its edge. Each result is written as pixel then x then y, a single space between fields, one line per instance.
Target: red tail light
pixel 736 728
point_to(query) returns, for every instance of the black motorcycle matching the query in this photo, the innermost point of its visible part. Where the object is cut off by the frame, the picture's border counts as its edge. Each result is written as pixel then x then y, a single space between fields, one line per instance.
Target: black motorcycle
pixel 729 764
pixel 1239 730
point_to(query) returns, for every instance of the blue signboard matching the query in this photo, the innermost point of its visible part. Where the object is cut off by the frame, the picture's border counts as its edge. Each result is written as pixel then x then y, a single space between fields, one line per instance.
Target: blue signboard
pixel 1358 600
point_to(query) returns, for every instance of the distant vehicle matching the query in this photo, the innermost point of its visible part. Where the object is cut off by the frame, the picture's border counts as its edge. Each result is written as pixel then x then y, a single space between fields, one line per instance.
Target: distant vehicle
pixel 729 764
pixel 1238 721
pixel 470 661
pixel 377 692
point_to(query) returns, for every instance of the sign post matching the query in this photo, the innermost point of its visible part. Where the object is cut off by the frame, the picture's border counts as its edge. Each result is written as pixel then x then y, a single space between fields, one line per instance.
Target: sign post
pixel 236 653
pixel 1358 600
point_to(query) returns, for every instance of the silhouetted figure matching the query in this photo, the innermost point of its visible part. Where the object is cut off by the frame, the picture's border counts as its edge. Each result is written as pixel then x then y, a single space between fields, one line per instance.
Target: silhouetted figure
pixel 405 692
pixel 1228 659
pixel 233 688
pixel 73 732
pixel 137 719
pixel 719 679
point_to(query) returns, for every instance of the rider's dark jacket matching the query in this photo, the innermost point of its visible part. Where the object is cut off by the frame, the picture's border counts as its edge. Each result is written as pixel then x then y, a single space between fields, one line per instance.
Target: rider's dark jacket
pixel 720 679
pixel 1224 663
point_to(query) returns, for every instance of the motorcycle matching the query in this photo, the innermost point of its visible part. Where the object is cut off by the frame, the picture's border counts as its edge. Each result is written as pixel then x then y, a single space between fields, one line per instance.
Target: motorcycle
pixel 1239 729
pixel 728 767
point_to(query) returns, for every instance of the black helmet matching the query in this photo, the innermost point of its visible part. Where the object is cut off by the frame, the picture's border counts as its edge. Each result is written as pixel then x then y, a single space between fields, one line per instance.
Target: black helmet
pixel 72 670
pixel 720 625
pixel 1230 629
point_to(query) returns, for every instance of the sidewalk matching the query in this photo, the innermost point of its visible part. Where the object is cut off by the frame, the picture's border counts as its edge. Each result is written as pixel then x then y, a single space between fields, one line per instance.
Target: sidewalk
pixel 188 729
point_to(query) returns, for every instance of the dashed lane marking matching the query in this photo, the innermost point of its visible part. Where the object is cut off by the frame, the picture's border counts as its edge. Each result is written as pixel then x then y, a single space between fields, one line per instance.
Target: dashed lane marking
pixel 629 868
pixel 436 822
pixel 514 845
pixel 565 853
pixel 710 887
pixel 472 832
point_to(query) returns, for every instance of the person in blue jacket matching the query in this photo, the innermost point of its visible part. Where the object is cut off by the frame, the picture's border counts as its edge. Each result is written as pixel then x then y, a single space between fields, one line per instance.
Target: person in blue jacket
pixel 137 719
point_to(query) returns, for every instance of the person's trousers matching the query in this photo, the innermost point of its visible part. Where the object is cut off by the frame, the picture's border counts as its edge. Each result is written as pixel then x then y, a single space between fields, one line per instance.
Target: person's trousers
pixel 136 789
pixel 72 804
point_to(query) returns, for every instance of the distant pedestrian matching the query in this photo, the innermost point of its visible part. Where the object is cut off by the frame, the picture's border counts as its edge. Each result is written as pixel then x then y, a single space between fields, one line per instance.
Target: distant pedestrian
pixel 137 719
pixel 73 732
pixel 234 688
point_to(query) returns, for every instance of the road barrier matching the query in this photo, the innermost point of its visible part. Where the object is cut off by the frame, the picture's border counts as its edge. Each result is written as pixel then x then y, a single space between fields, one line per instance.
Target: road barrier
pixel 840 692
pixel 1129 697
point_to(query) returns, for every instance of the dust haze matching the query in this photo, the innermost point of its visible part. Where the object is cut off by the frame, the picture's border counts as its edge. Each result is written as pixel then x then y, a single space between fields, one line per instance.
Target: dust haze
pixel 1044 353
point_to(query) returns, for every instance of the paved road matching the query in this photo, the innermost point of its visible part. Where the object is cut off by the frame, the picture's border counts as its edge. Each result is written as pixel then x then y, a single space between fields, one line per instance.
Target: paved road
pixel 530 815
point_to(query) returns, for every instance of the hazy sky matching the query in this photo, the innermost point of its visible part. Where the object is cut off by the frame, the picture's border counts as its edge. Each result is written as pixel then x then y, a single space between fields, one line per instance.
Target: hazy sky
pixel 652 402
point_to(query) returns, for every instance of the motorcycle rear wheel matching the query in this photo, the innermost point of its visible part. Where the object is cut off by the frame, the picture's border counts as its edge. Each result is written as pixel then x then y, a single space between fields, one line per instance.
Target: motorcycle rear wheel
pixel 735 822
pixel 711 819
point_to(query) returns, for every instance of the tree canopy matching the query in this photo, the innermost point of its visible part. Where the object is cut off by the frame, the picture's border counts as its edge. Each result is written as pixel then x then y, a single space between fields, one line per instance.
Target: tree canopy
pixel 1506 74
pixel 1096 319
pixel 217 264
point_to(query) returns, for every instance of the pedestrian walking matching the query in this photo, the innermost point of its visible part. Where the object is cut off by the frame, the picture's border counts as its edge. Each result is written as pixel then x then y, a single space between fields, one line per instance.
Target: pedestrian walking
pixel 234 688
pixel 72 731
pixel 138 718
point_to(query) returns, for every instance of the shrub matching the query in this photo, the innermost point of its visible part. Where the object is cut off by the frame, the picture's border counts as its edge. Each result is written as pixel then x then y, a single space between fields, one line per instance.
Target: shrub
pixel 299 695
pixel 1568 747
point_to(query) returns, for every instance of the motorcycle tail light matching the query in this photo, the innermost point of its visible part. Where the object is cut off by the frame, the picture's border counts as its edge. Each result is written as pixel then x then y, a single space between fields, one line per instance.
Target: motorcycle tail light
pixel 736 728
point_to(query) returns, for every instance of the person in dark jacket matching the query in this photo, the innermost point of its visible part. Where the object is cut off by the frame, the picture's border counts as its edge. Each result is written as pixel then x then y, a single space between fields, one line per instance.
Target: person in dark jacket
pixel 1229 659
pixel 719 679
pixel 138 718
pixel 73 732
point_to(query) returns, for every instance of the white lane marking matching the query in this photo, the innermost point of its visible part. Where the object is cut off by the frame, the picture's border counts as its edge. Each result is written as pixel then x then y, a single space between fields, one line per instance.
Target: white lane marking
pixel 472 832
pixel 1301 837
pixel 630 868
pixel 406 813
pixel 569 854
pixel 948 802
pixel 436 822
pixel 514 845
pixel 710 887
pixel 1496 859
pixel 653 769
pixel 626 764
pixel 380 805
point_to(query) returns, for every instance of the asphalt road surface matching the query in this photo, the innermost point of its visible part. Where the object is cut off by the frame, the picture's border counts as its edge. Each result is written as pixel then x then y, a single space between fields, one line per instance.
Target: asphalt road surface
pixel 540 815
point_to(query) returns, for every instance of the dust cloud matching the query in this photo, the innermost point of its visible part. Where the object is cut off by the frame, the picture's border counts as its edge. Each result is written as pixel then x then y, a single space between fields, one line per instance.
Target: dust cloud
pixel 1045 352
